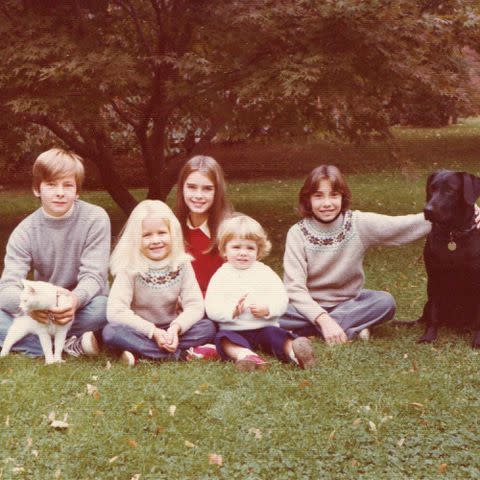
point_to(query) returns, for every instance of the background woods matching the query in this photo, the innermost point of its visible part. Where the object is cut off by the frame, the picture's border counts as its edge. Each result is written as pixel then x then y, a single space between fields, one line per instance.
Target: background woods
pixel 157 81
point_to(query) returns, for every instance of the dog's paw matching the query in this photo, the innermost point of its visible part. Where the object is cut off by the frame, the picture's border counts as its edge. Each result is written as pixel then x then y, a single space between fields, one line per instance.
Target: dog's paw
pixel 476 340
pixel 427 338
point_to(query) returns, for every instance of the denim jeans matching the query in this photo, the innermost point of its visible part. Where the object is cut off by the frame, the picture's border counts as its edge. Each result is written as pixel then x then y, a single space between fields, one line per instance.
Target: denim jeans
pixel 368 308
pixel 118 337
pixel 92 317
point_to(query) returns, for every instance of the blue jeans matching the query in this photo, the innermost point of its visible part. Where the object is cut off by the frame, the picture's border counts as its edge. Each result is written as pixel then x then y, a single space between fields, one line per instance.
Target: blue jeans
pixel 268 339
pixel 118 337
pixel 91 317
pixel 368 308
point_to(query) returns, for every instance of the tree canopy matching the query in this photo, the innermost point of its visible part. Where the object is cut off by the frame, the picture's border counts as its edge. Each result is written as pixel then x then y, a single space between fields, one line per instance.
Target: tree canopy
pixel 160 79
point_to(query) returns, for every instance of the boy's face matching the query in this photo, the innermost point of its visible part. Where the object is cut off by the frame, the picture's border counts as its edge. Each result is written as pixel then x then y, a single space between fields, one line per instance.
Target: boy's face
pixel 57 195
pixel 241 253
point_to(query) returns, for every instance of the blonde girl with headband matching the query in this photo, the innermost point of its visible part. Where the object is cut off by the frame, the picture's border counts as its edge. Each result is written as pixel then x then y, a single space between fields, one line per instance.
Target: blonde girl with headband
pixel 153 274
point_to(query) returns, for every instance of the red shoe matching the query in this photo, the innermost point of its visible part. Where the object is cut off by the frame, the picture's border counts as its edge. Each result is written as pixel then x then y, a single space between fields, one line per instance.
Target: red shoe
pixel 251 362
pixel 203 352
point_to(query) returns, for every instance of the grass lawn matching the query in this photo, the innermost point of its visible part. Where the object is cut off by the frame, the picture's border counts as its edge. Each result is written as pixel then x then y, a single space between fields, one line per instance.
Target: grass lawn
pixel 387 409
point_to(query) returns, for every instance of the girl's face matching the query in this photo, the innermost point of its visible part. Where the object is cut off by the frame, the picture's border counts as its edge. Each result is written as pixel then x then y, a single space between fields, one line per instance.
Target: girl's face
pixel 156 240
pixel 326 203
pixel 198 193
pixel 241 253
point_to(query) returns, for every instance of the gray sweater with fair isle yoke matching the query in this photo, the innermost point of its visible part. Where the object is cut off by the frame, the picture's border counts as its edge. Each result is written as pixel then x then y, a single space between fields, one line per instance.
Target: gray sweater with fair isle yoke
pixel 71 252
pixel 323 263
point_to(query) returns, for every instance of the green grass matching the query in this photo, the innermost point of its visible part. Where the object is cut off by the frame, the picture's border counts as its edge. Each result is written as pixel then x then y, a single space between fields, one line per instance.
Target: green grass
pixel 387 409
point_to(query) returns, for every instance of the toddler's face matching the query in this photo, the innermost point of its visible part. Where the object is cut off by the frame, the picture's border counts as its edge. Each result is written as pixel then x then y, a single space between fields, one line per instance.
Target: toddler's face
pixel 57 195
pixel 198 193
pixel 326 203
pixel 241 253
pixel 156 240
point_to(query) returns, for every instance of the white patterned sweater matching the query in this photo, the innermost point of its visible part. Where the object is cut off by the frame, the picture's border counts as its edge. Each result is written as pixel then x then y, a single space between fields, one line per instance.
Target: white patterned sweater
pixel 323 263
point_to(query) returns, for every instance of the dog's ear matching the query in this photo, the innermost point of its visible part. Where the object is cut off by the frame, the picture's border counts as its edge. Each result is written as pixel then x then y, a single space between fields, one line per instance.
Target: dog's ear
pixel 429 181
pixel 471 188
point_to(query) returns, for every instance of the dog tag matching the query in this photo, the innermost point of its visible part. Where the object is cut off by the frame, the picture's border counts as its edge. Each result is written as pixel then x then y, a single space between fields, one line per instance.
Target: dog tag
pixel 452 246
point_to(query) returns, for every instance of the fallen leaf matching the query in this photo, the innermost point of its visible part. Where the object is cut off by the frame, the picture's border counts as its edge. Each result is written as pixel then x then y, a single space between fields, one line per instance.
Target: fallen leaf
pixel 158 430
pixel 136 477
pixel 172 409
pixel 215 459
pixel 442 468
pixel 401 442
pixel 35 453
pixel 132 443
pixel 197 392
pixel 418 406
pixel 51 417
pixel 16 470
pixel 150 412
pixel 7 421
pixel 189 444
pixel 59 424
pixel 372 426
pixel 354 463
pixel 304 383
pixel 357 421
pixel 332 435
pixel 93 391
pixel 108 365
pixel 97 413
pixel 386 419
pixel 29 442
pixel 405 355
pixel 58 473
pixel 111 460
pixel 414 366
pixel 255 431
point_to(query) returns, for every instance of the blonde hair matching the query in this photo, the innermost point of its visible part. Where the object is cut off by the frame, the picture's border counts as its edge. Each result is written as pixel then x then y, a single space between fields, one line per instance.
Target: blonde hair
pixel 57 163
pixel 220 208
pixel 244 228
pixel 127 255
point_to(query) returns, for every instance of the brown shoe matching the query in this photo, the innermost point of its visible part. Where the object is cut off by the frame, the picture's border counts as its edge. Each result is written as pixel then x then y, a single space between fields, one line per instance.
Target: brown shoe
pixel 304 353
pixel 250 363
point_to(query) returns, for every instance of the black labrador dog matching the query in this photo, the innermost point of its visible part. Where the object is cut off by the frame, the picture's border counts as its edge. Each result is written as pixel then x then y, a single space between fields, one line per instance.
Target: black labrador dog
pixel 452 254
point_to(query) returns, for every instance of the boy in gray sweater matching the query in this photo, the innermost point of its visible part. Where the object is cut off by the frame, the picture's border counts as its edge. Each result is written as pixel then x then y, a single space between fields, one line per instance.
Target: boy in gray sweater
pixel 65 242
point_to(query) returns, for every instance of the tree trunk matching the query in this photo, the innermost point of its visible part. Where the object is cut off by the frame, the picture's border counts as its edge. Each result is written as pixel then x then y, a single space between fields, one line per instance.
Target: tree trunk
pixel 111 181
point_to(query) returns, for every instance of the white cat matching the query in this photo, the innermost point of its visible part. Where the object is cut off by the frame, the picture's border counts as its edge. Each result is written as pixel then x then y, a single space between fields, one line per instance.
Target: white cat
pixel 39 296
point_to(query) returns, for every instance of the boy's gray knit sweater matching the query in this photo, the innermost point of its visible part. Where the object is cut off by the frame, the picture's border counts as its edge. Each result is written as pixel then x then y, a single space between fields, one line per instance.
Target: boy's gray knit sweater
pixel 70 252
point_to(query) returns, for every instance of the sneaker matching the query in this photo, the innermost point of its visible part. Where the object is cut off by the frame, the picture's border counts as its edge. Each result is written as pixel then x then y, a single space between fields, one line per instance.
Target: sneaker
pixel 304 353
pixel 203 352
pixel 128 358
pixel 85 345
pixel 251 362
pixel 364 335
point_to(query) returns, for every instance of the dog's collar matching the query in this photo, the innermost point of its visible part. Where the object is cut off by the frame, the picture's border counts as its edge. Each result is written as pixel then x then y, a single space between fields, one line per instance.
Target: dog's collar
pixel 456 234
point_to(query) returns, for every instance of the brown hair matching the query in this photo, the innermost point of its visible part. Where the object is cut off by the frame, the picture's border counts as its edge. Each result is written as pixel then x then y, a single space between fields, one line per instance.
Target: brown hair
pixel 310 186
pixel 57 163
pixel 220 208
pixel 245 228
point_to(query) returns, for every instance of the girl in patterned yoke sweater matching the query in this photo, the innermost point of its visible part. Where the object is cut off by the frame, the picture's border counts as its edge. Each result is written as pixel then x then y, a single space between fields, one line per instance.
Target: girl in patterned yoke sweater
pixel 323 262
pixel 152 273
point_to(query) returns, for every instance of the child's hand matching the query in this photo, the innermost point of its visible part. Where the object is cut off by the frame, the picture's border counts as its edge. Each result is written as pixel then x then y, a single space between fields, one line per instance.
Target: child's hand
pixel 332 332
pixel 259 311
pixel 40 316
pixel 172 338
pixel 240 307
pixel 161 337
